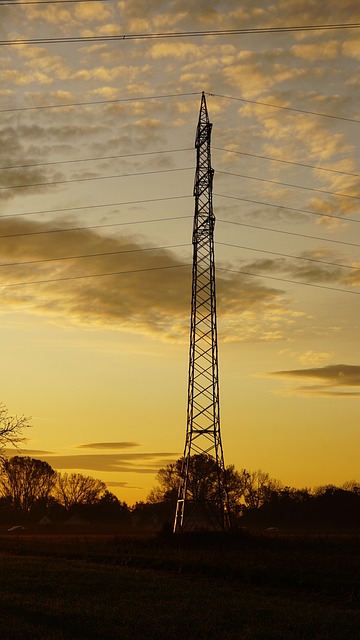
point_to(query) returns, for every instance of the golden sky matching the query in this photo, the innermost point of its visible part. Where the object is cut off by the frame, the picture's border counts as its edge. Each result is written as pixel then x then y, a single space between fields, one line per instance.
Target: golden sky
pixel 97 156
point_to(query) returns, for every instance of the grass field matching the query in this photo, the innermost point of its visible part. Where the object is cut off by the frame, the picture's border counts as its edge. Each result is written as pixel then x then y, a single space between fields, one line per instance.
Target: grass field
pixel 81 586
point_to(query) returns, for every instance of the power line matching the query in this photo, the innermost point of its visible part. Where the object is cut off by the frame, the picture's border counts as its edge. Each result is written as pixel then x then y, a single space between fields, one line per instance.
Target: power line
pixel 163 151
pixel 169 95
pixel 289 233
pixel 286 184
pixel 287 208
pixel 93 206
pixel 182 34
pixel 296 164
pixel 126 155
pixel 174 246
pixel 132 222
pixel 99 102
pixel 122 175
pixel 95 226
pixel 181 197
pixel 143 173
pixel 305 284
pixel 91 255
pixel 287 255
pixel 177 266
pixel 276 106
pixel 92 275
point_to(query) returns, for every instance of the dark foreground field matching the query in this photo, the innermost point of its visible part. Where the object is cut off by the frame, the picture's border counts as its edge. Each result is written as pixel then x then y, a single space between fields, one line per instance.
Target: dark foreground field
pixel 246 587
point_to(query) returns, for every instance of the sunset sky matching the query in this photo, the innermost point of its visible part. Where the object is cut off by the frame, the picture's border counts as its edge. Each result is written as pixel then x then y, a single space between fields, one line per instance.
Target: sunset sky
pixel 97 156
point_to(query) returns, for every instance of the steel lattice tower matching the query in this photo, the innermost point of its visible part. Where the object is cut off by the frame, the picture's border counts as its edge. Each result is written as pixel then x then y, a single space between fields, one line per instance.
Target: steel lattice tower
pixel 207 509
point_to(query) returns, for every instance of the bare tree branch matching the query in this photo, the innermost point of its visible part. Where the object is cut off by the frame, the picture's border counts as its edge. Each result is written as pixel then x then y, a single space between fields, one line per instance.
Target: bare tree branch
pixel 25 481
pixel 11 428
pixel 73 489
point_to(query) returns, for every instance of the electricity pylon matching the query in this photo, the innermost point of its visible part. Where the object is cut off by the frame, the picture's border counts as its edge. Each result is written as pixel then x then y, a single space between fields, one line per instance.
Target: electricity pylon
pixel 205 507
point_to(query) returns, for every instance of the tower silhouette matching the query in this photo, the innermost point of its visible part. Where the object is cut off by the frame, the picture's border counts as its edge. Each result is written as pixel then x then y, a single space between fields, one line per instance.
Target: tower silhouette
pixel 202 496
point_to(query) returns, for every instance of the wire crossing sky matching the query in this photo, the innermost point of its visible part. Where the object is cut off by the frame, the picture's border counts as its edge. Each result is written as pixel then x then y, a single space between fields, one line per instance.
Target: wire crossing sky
pixel 179 34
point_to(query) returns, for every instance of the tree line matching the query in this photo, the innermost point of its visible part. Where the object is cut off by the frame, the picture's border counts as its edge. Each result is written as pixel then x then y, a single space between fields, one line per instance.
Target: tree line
pixel 31 490
pixel 257 500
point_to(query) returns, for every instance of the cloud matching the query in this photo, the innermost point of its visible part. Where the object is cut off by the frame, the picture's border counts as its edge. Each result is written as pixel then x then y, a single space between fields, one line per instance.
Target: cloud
pixel 80 17
pixel 320 51
pixel 310 12
pixel 122 485
pixel 143 289
pixel 181 51
pixel 319 266
pixel 111 462
pixel 352 49
pixel 309 357
pixel 34 453
pixel 108 445
pixel 290 70
pixel 322 393
pixel 339 375
pixel 331 381
pixel 139 462
pixel 59 134
pixel 313 357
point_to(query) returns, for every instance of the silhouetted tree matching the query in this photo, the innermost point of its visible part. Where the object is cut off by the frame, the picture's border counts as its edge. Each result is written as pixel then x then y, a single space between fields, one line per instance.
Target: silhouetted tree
pixel 24 481
pixel 255 498
pixel 336 507
pixel 202 482
pixel 11 428
pixel 168 483
pixel 109 508
pixel 73 489
pixel 286 507
pixel 327 507
pixel 258 488
pixel 6 509
pixel 352 485
pixel 152 515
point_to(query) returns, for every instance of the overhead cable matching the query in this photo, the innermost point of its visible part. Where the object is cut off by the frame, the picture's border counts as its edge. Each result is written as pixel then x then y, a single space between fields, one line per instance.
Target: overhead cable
pixel 288 255
pixel 164 96
pixel 287 208
pixel 289 233
pixel 164 151
pixel 155 220
pixel 111 177
pixel 176 266
pixel 276 106
pixel 287 280
pixel 91 255
pixel 91 275
pixel 286 184
pixel 296 164
pixel 99 102
pixel 93 159
pixel 173 246
pixel 94 226
pixel 158 171
pixel 103 205
pixel 93 206
pixel 182 34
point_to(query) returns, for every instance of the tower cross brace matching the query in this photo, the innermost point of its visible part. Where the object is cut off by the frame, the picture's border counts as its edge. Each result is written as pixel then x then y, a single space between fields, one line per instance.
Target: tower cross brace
pixel 203 504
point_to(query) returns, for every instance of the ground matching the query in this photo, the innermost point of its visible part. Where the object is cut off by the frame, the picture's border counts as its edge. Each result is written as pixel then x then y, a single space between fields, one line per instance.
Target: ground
pixel 82 585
